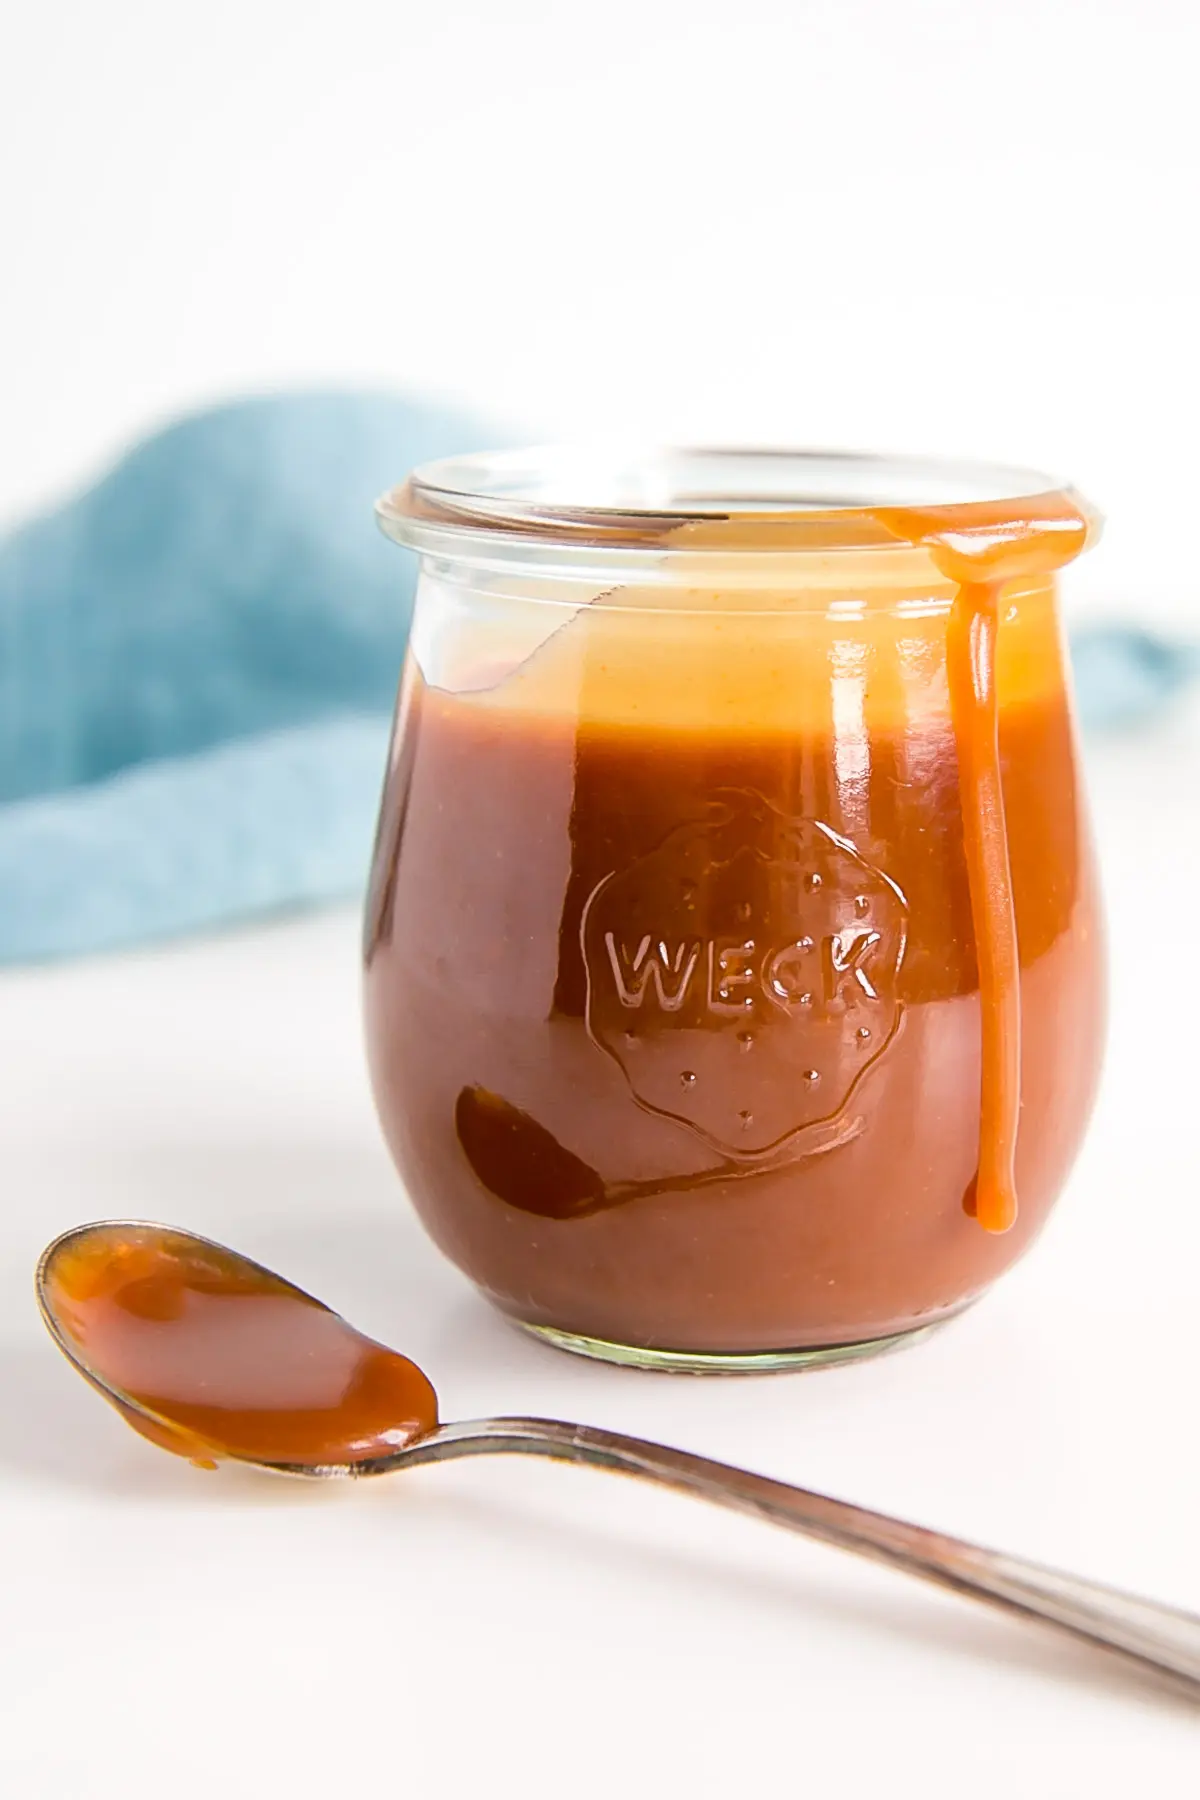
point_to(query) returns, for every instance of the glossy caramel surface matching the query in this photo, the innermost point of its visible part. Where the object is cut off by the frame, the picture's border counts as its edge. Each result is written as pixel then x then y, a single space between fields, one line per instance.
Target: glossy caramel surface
pixel 225 1358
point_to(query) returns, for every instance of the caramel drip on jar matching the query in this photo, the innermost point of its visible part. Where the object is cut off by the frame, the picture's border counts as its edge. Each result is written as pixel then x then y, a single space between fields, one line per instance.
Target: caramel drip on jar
pixel 971 672
pixel 981 548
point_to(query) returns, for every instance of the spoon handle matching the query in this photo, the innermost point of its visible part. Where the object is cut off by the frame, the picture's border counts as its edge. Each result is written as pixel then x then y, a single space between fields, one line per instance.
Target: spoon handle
pixel 1161 1636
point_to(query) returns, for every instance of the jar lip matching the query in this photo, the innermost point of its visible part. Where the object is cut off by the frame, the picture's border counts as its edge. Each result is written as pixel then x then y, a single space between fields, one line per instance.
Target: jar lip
pixel 631 502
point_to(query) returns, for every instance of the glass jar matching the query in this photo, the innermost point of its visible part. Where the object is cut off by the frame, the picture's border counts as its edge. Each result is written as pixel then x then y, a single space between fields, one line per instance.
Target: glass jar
pixel 734 980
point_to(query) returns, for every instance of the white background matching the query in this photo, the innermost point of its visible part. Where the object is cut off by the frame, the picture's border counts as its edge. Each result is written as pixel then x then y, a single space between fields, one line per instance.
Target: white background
pixel 964 227
pixel 959 225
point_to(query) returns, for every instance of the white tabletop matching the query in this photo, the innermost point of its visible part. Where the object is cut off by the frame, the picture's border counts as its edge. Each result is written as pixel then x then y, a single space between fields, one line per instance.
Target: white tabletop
pixel 516 1626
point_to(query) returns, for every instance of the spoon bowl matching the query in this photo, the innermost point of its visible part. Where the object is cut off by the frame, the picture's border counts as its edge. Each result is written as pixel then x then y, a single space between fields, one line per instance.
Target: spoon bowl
pixel 215 1357
pixel 212 1356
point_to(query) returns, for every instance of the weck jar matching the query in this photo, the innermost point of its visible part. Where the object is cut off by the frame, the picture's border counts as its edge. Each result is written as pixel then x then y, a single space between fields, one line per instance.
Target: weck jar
pixel 733 970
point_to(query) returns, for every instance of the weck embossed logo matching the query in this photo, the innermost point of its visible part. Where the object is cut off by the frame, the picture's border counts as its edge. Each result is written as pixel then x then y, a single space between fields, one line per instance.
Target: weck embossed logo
pixel 743 975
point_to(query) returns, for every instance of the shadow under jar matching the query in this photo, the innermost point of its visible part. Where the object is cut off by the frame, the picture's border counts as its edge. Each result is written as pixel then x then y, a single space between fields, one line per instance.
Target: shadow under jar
pixel 734 976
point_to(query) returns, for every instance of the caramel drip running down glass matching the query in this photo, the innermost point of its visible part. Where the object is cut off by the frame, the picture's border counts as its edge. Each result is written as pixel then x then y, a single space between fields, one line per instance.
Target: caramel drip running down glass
pixel 734 978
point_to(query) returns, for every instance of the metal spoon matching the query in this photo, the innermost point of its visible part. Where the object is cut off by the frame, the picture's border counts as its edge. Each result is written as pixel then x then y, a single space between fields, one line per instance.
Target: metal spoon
pixel 1162 1637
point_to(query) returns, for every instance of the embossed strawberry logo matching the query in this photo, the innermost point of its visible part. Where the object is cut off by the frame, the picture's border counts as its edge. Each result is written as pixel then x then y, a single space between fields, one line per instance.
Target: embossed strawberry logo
pixel 743 975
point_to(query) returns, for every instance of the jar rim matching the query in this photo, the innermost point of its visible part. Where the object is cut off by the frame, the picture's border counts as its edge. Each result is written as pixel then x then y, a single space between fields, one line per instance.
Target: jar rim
pixel 629 503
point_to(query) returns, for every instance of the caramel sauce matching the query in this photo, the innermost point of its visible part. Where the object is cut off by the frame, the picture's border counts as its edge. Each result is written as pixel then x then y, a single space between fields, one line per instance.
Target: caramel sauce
pixel 994 544
pixel 717 948
pixel 216 1357
pixel 970 666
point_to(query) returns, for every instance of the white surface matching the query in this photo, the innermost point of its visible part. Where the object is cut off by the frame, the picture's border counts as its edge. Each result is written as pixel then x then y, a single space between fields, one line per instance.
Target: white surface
pixel 952 225
pixel 520 1628
pixel 960 227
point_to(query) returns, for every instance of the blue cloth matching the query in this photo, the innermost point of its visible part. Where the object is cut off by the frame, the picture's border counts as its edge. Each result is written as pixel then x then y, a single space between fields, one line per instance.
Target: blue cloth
pixel 198 658
pixel 1124 675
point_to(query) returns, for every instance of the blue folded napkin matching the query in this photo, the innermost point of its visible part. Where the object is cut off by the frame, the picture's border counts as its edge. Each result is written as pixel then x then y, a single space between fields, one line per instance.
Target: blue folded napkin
pixel 1124 675
pixel 198 658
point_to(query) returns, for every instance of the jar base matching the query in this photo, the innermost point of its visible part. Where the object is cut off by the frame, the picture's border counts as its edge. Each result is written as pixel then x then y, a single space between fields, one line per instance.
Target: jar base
pixel 731 1362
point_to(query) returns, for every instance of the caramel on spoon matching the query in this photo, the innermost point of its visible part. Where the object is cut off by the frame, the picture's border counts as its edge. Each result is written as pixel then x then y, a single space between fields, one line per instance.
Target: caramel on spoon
pixel 214 1357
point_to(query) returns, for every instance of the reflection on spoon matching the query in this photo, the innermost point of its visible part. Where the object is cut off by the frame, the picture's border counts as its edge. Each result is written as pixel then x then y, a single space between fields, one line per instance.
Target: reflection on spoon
pixel 213 1356
pixel 523 1164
